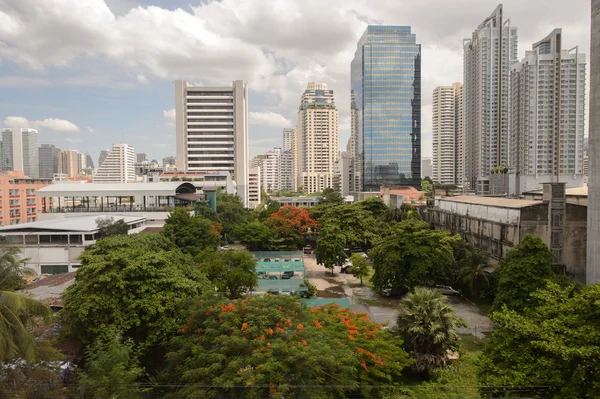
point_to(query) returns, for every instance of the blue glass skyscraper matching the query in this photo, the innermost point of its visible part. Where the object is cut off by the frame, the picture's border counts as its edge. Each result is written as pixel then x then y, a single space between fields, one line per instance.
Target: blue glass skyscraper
pixel 386 107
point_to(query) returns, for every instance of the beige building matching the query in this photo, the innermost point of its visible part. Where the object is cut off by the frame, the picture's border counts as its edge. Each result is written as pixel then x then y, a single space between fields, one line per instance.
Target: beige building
pixel 254 187
pixel 211 129
pixel 68 163
pixel 290 143
pixel 317 135
pixel 118 167
pixel 447 132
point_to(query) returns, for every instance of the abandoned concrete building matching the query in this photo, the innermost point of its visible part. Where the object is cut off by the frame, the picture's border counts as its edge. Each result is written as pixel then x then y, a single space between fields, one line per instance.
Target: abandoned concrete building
pixel 495 225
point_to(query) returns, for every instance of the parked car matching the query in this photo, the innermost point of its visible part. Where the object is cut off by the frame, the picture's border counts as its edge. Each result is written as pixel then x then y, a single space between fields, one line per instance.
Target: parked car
pixel 262 275
pixel 346 269
pixel 390 292
pixel 286 275
pixel 266 260
pixel 273 292
pixel 273 277
pixel 447 290
pixel 307 250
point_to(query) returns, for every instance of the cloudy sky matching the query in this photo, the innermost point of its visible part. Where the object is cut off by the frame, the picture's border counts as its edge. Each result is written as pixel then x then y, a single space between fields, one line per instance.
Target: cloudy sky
pixel 89 73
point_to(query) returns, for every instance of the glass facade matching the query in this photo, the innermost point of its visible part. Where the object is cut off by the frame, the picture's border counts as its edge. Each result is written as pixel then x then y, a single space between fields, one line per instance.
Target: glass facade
pixel 386 93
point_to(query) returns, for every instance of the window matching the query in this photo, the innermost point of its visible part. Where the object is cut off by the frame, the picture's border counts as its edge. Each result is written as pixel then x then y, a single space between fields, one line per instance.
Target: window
pixel 54 269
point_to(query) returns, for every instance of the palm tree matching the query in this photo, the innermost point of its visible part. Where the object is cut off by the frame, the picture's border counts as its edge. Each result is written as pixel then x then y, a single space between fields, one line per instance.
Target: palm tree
pixel 12 269
pixel 474 273
pixel 427 324
pixel 17 314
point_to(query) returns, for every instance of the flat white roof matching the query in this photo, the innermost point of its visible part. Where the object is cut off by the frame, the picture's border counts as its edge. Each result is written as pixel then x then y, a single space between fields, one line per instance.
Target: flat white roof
pixel 492 201
pixel 114 189
pixel 84 224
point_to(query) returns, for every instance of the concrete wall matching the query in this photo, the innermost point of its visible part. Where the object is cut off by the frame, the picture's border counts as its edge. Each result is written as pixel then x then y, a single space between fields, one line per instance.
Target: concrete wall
pixel 502 215
pixel 524 183
pixel 576 241
pixel 153 219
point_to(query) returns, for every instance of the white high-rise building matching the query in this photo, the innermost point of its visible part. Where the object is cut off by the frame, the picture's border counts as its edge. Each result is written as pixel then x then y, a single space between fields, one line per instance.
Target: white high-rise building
pixel 118 167
pixel 211 129
pixel 317 134
pixel 254 187
pixel 353 147
pixel 547 116
pixel 488 56
pixel 290 143
pixel 276 170
pixel 447 134
pixel 21 150
pixel 102 157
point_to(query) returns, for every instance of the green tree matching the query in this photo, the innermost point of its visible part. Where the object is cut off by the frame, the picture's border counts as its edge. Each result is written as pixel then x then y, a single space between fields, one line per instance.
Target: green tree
pixel 276 347
pixel 330 247
pixel 554 346
pixel 328 198
pixel 476 277
pixel 18 313
pixel 191 234
pixel 357 224
pixel 427 189
pixel 525 269
pixel 230 212
pixel 427 325
pixel 360 267
pixel 135 284
pixel 12 269
pixel 270 208
pixel 232 272
pixel 257 236
pixel 112 368
pixel 411 256
pixel 109 227
pixel 375 206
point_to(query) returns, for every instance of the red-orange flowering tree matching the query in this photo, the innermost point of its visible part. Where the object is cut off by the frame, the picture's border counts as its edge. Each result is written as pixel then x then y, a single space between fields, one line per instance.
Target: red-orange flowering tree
pixel 277 347
pixel 292 224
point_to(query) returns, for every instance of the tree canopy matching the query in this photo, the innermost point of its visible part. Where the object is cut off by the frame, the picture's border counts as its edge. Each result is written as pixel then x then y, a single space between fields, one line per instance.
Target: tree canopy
pixel 232 272
pixel 257 236
pixel 330 247
pixel 554 346
pixel 191 234
pixel 136 284
pixel 275 347
pixel 360 267
pixel 109 227
pixel 12 269
pixel 230 212
pixel 292 224
pixel 411 256
pixel 525 269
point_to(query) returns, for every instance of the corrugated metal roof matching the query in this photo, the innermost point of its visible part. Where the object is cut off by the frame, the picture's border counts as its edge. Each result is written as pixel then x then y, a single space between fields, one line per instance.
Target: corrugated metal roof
pixel 113 189
pixel 492 201
pixel 75 224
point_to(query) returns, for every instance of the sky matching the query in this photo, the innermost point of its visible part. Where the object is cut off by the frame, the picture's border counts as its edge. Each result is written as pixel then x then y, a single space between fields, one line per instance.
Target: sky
pixel 90 73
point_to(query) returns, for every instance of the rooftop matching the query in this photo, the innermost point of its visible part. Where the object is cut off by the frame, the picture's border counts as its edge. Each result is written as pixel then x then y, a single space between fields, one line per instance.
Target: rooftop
pixel 82 224
pixel 492 201
pixel 116 189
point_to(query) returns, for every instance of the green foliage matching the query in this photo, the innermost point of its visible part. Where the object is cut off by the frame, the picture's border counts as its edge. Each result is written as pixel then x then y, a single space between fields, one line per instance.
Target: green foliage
pixel 232 272
pixel 12 269
pixel 328 198
pixel 427 325
pixel 330 247
pixel 191 234
pixel 230 212
pixel 134 283
pixel 18 313
pixel 356 223
pixel 38 380
pixel 276 347
pixel 523 270
pixel 411 256
pixel 270 208
pixel 554 345
pixel 112 369
pixel 427 189
pixel 375 206
pixel 108 227
pixel 311 289
pixel 360 267
pixel 257 236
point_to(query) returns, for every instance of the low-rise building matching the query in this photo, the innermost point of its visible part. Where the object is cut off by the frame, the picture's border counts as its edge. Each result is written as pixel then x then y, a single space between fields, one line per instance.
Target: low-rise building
pixel 54 246
pixel 18 201
pixel 396 196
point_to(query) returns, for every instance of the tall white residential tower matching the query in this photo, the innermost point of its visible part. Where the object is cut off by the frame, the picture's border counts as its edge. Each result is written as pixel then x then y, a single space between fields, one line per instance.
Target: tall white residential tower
pixel 118 167
pixel 21 150
pixel 447 131
pixel 211 129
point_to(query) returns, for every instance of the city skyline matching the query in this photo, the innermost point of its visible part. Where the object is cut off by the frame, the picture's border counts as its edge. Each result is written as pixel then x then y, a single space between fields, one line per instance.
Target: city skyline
pixel 93 101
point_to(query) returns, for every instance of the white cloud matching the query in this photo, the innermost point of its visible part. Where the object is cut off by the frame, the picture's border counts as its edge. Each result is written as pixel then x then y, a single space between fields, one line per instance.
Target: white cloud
pixel 72 140
pixel 141 78
pixel 55 124
pixel 58 125
pixel 15 122
pixel 169 113
pixel 270 119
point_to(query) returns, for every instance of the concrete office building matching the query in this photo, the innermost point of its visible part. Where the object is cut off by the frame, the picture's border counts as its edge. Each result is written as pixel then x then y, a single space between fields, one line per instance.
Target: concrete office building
pixel 547 116
pixel 18 203
pixel 386 107
pixel 593 219
pixel 211 129
pixel 318 138
pixel 488 56
pixel 447 134
pixel 118 167
pixel 290 143
pixel 141 157
pixel 254 187
pixel 21 150
pixel 69 163
pixel 168 161
pixel 276 171
pixel 354 147
pixel 102 157
pixel 48 157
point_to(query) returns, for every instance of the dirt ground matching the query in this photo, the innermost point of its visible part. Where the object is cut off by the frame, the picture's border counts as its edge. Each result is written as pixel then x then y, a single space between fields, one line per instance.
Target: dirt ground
pixel 383 310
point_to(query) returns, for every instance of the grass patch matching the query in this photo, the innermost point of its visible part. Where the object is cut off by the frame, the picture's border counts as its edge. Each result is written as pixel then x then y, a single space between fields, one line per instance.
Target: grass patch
pixel 378 302
pixel 471 343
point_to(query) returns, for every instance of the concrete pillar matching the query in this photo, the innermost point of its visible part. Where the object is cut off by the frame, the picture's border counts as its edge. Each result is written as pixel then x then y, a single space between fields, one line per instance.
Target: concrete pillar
pixel 554 195
pixel 593 222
